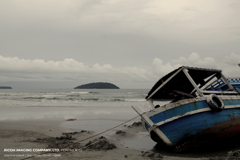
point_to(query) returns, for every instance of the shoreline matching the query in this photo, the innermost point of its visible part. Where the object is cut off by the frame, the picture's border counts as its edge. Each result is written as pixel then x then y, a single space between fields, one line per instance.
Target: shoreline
pixel 131 140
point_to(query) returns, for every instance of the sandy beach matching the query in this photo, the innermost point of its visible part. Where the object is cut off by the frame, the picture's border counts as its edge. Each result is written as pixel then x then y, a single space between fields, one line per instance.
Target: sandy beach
pixel 38 134
pixel 23 136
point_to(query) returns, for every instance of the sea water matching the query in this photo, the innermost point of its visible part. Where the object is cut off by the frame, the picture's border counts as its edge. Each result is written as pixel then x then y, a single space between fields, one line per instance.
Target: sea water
pixel 71 103
pixel 74 97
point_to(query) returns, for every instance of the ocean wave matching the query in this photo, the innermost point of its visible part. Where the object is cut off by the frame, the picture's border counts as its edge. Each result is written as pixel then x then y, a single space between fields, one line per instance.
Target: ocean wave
pixel 33 97
pixel 76 98
pixel 90 99
pixel 53 98
pixel 4 94
pixel 73 95
pixel 112 100
pixel 79 92
pixel 131 92
pixel 117 100
pixel 94 92
pixel 135 100
pixel 47 98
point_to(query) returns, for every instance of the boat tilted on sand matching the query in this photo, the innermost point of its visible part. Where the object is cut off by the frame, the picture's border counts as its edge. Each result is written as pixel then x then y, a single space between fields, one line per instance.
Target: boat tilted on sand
pixel 204 107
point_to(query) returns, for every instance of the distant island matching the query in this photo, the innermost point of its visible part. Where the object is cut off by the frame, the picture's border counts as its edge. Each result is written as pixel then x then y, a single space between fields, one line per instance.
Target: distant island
pixel 98 85
pixel 5 87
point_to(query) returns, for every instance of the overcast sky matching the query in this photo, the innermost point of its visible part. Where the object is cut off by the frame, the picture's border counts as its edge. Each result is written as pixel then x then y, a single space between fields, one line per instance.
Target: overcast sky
pixel 131 43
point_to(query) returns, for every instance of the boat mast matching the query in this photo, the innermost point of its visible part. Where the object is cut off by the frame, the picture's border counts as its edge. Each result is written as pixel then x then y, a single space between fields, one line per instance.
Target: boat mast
pixel 192 81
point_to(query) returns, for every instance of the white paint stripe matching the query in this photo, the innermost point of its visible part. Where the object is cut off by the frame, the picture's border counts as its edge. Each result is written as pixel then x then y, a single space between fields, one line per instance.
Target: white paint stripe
pixel 229 97
pixel 186 101
pixel 232 106
pixel 191 113
pixel 163 137
pixel 173 105
pixel 150 123
pixel 157 130
pixel 220 92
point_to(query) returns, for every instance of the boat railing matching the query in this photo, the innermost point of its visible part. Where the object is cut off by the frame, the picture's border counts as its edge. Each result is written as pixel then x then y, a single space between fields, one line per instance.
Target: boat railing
pixel 219 92
pixel 234 80
pixel 220 83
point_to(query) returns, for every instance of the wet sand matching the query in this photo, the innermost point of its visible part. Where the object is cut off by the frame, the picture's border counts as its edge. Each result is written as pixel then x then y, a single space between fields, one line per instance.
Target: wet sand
pixel 40 134
pixel 125 142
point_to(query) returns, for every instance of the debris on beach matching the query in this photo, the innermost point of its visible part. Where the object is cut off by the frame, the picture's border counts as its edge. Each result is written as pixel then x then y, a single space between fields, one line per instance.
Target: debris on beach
pixel 64 144
pixel 71 119
pixel 58 142
pixel 120 132
pixel 66 137
pixel 67 141
pixel 73 133
pixel 135 124
pixel 152 155
pixel 100 144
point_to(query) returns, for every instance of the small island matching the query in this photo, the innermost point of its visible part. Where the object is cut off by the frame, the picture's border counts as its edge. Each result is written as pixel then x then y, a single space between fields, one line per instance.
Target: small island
pixel 5 87
pixel 97 85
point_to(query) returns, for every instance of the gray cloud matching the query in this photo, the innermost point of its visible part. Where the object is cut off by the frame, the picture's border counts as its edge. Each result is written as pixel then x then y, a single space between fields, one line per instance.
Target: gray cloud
pixel 70 70
pixel 97 38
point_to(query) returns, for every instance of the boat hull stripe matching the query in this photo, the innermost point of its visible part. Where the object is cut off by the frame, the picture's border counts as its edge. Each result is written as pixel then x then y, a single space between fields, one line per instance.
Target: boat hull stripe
pixel 191 113
pixel 160 114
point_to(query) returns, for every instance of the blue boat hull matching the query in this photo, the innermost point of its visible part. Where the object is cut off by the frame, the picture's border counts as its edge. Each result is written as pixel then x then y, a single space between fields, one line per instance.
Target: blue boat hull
pixel 200 125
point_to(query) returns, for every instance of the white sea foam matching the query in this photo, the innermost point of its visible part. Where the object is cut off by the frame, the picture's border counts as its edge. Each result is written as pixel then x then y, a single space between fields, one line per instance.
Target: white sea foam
pixel 135 100
pixel 79 92
pixel 68 98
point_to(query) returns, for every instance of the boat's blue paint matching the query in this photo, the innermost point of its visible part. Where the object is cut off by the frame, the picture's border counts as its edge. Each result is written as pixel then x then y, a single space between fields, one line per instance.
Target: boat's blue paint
pixel 231 102
pixel 187 108
pixel 194 124
pixel 178 111
pixel 237 87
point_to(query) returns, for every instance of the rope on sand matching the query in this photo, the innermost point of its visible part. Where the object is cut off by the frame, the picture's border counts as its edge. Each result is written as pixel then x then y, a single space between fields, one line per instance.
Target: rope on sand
pixel 82 139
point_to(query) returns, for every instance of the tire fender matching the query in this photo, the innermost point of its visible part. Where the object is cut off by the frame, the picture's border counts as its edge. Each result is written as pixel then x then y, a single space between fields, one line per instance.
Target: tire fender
pixel 215 103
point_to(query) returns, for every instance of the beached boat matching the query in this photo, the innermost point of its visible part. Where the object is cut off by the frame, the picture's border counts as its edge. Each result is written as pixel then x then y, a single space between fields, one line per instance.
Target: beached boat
pixel 203 107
